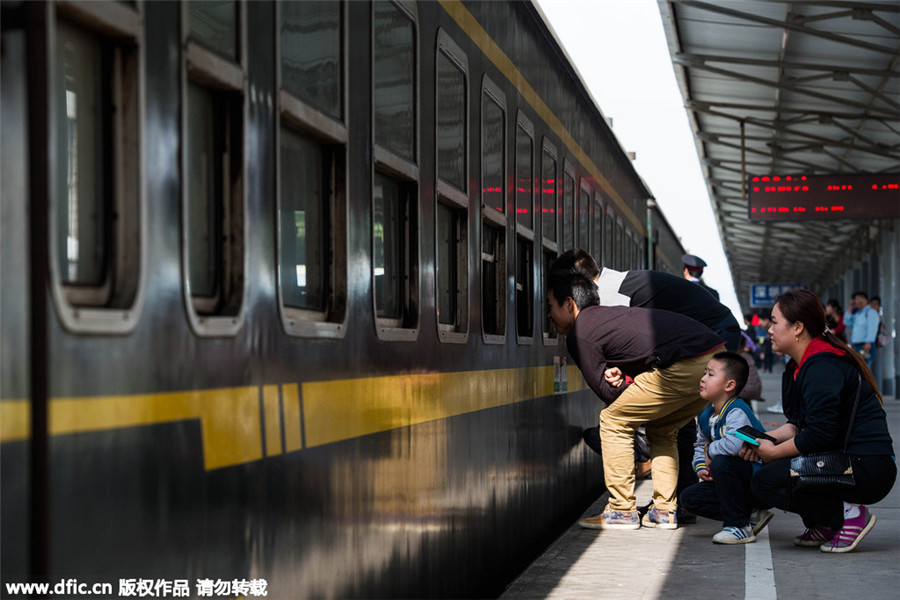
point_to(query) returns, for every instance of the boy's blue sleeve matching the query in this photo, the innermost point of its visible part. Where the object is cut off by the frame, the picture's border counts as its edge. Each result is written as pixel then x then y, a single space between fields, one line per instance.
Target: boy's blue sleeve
pixel 734 420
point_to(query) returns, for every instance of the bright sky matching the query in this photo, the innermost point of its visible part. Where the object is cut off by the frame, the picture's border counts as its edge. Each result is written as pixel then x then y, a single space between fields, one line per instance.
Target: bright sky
pixel 619 48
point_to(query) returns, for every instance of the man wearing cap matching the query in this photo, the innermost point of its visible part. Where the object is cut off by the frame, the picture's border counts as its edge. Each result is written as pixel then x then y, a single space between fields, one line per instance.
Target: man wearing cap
pixel 693 271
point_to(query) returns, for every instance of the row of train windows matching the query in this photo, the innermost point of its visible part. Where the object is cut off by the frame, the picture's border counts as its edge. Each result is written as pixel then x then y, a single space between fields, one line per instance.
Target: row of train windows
pixel 98 258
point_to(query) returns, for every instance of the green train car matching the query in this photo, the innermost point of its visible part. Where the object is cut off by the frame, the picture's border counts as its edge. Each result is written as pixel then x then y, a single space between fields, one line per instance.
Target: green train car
pixel 272 299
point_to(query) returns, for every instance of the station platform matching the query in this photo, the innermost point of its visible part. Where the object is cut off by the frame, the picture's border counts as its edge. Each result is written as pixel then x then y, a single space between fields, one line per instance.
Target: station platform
pixel 684 563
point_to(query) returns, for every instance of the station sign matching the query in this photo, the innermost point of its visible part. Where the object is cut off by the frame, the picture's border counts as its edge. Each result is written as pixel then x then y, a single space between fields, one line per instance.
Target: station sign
pixel 764 294
pixel 823 197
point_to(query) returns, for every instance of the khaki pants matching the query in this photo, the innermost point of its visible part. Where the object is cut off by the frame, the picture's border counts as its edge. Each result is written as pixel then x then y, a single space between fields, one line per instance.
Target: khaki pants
pixel 664 399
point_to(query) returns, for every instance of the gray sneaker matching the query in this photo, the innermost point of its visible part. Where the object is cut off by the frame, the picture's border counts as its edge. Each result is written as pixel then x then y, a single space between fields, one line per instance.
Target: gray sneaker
pixel 759 519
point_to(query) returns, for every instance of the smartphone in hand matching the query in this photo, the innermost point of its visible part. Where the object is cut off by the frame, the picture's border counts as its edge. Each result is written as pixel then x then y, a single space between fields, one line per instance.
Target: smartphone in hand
pixel 751 435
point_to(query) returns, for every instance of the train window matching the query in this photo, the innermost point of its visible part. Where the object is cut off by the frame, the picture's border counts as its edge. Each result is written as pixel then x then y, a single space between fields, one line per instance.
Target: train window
pixel 609 237
pixel 452 254
pixel 213 170
pixel 524 177
pixel 452 297
pixel 394 68
pixel 524 174
pixel 549 330
pixel 311 235
pixel 450 98
pixel 214 26
pixel 597 231
pixel 493 193
pixel 493 282
pixel 620 253
pixel 394 246
pixel 304 222
pixel 493 136
pixel 312 157
pixel 549 234
pixel 96 253
pixel 628 251
pixel 395 215
pixel 548 192
pixel 524 289
pixel 584 216
pixel 312 43
pixel 569 216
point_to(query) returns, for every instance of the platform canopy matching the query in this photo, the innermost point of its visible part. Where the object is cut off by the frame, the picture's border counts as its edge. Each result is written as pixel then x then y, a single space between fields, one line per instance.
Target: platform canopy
pixel 788 88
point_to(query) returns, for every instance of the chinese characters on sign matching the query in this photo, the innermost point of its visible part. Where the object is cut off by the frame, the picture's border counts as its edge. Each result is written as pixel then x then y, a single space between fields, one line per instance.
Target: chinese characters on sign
pixel 764 294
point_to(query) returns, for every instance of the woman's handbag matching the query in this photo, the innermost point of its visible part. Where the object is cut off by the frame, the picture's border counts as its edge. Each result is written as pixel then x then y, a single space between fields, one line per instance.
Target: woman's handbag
pixel 826 470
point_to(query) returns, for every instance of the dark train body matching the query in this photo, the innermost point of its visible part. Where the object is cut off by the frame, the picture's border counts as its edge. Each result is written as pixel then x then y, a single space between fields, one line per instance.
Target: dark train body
pixel 354 395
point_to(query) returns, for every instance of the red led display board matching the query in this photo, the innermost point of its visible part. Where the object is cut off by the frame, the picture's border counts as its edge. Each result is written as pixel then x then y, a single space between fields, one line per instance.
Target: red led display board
pixel 818 197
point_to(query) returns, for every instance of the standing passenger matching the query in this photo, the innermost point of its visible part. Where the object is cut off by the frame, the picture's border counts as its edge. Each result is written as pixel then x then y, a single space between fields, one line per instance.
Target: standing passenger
pixel 864 325
pixel 665 353
pixel 693 271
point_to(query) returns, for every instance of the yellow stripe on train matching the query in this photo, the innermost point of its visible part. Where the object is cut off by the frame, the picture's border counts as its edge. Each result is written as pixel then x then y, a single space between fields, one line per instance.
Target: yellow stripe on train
pixel 232 423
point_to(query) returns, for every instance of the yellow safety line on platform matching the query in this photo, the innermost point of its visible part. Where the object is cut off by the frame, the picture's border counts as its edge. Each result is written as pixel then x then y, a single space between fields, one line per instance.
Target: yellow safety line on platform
pixel 470 25
pixel 231 420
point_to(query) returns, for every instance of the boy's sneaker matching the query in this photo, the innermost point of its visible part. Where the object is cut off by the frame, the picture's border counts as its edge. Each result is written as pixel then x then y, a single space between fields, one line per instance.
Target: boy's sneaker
pixel 852 533
pixel 612 519
pixel 814 536
pixel 661 519
pixel 759 519
pixel 734 535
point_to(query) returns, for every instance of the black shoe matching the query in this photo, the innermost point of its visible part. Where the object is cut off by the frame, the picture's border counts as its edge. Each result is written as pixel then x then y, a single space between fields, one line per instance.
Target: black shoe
pixel 685 518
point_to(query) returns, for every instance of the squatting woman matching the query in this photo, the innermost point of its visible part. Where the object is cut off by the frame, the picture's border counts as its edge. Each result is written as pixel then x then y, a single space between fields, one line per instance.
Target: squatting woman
pixel 819 388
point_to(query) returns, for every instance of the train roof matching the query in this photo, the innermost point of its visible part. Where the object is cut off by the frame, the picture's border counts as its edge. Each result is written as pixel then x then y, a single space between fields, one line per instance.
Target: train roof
pixel 564 58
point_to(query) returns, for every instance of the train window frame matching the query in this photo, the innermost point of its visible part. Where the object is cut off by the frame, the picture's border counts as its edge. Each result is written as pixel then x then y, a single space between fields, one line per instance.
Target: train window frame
pixel 548 148
pixel 332 135
pixel 525 237
pixel 549 246
pixel 493 219
pixel 619 244
pixel 114 304
pixel 405 173
pixel 609 236
pixel 569 207
pixel 221 314
pixel 597 237
pixel 583 212
pixel 449 196
pixel 628 243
